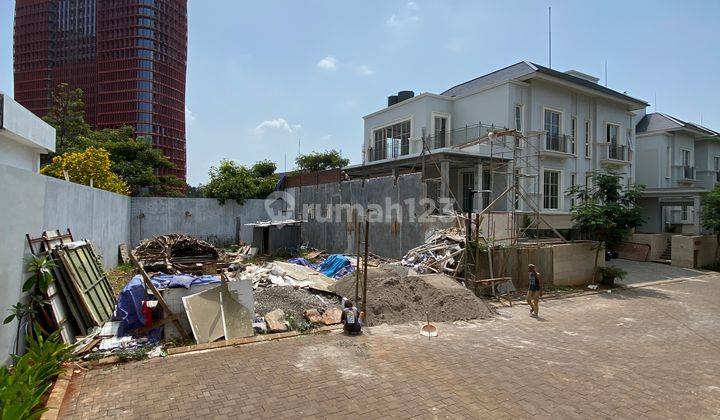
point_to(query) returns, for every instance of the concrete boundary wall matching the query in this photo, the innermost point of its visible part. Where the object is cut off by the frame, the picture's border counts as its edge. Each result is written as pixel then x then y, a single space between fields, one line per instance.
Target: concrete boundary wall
pixel 693 251
pixel 390 235
pixel 203 218
pixel 33 203
pixel 656 241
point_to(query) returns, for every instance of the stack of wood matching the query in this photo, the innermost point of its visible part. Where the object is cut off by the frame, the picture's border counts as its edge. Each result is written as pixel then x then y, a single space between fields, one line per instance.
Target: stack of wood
pixel 440 253
pixel 175 254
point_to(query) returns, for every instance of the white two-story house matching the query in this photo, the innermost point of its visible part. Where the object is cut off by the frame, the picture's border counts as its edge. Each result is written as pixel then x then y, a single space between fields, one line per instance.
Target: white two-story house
pixel 572 124
pixel 679 162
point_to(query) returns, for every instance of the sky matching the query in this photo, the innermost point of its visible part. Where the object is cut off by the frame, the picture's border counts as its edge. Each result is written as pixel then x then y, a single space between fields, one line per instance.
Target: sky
pixel 269 79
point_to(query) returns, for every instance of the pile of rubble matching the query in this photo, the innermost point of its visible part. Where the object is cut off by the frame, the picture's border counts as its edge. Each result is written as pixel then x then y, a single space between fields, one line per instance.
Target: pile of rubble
pixel 439 254
pixel 176 254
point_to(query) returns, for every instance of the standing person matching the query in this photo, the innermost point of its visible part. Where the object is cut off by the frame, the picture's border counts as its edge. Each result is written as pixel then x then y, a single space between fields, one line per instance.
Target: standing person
pixel 534 290
pixel 351 318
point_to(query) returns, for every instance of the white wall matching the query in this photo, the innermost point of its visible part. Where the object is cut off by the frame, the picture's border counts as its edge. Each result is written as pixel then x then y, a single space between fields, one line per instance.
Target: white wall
pixel 33 203
pixel 23 136
pixel 18 155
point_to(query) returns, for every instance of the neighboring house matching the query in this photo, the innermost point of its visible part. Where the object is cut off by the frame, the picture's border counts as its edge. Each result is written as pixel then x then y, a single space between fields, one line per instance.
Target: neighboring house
pixel 23 136
pixel 680 161
pixel 573 126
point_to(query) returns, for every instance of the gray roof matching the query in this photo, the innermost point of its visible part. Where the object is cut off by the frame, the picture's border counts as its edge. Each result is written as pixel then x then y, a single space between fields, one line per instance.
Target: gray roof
pixel 657 121
pixel 524 69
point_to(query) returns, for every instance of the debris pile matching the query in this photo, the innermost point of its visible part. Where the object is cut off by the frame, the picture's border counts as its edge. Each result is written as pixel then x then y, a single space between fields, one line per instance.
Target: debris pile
pixel 439 254
pixel 394 297
pixel 175 254
pixel 298 303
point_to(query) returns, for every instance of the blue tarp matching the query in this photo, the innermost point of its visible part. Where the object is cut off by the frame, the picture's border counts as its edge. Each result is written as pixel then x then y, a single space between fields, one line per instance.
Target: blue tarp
pixel 335 265
pixel 129 305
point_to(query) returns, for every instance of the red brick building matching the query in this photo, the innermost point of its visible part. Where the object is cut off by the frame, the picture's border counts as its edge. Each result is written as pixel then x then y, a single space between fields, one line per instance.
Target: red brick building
pixel 128 56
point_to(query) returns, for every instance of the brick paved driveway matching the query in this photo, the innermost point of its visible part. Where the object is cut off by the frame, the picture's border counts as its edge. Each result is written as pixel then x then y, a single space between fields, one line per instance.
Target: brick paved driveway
pixel 651 352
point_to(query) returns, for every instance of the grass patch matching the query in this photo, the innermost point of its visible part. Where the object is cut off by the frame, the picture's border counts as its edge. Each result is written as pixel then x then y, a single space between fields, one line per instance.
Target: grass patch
pixel 119 276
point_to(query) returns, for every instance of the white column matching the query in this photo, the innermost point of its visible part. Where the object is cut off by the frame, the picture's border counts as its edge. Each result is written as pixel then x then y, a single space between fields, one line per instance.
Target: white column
pixel 444 179
pixel 477 203
pixel 696 214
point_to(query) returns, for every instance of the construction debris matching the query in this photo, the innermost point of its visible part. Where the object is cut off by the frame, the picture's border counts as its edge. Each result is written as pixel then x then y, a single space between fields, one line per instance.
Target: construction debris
pixel 276 321
pixel 175 254
pixel 440 253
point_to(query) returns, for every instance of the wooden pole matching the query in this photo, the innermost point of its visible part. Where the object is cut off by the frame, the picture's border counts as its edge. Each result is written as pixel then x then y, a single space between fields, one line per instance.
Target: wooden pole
pixel 357 259
pixel 365 258
pixel 161 301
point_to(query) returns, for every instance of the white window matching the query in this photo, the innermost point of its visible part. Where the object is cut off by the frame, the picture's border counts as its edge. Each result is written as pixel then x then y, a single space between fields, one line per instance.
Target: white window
pixel 551 190
pixel 668 162
pixel 518 118
pixel 613 134
pixel 685 155
pixel 440 132
pixel 391 141
pixel 716 163
pixel 552 127
pixel 588 127
pixel 573 133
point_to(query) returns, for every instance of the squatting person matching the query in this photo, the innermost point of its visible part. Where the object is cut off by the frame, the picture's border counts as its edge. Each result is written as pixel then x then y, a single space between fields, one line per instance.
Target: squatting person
pixel 352 318
pixel 534 290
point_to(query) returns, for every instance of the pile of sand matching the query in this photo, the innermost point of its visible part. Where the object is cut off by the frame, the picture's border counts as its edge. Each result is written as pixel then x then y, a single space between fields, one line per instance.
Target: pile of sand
pixel 395 297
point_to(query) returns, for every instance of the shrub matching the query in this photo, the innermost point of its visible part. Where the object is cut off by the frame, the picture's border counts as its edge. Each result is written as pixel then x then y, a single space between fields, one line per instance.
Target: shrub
pixel 23 384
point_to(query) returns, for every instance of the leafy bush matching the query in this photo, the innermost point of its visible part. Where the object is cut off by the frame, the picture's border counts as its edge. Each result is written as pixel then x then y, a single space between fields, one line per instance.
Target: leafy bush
pixel 23 384
pixel 91 164
pixel 610 273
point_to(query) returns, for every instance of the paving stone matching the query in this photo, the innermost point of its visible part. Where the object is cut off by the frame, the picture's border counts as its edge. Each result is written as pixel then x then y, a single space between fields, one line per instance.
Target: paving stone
pixel 648 352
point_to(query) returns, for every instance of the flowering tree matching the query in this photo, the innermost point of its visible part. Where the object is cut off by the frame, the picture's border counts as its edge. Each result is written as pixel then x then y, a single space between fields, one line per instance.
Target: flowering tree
pixel 90 165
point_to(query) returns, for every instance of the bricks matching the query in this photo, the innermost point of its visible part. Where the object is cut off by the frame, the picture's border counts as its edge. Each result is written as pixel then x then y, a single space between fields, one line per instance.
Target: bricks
pixel 620 355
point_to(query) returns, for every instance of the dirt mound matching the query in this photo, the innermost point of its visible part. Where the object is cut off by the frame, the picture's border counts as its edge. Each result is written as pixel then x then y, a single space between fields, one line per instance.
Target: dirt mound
pixel 394 297
pixel 292 301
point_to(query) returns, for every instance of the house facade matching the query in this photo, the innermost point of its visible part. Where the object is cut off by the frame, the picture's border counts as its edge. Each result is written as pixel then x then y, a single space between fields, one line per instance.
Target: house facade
pixel 23 136
pixel 681 161
pixel 572 126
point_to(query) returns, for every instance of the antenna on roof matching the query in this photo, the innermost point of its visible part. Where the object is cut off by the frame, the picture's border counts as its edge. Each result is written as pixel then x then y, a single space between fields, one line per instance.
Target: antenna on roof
pixel 549 36
pixel 605 73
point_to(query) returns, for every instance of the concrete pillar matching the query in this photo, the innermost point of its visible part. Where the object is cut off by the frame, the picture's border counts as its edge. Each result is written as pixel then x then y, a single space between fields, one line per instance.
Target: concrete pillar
pixel 696 214
pixel 477 203
pixel 444 180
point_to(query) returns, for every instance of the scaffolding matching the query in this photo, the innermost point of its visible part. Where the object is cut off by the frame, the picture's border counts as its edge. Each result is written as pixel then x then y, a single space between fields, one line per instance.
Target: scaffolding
pixel 514 156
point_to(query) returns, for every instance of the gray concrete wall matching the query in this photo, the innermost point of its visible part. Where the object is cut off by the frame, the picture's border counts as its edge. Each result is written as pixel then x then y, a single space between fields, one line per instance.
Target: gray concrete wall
pixel 390 235
pixel 33 203
pixel 203 218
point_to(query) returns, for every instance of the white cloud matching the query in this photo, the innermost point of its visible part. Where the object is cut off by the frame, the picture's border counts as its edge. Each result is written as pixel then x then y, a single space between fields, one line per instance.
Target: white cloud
pixel 328 63
pixel 365 70
pixel 398 21
pixel 455 45
pixel 412 5
pixel 189 116
pixel 277 124
pixel 326 137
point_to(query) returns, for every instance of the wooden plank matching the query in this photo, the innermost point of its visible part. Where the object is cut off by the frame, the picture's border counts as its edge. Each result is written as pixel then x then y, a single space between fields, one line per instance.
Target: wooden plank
pixel 161 301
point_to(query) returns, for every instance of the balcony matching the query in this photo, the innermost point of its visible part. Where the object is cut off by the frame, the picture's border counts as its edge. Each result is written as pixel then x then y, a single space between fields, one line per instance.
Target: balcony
pixel 556 145
pixel 688 172
pixel 616 155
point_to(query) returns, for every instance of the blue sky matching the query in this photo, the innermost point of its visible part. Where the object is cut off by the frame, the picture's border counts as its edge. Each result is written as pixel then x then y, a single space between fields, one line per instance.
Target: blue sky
pixel 263 74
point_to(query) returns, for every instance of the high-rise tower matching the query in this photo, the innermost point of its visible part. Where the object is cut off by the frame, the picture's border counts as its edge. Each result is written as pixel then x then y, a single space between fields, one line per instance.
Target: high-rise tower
pixel 128 56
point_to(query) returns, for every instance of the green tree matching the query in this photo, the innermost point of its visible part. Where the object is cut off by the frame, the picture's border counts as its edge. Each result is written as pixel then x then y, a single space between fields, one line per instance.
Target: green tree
pixel 136 161
pixel 605 211
pixel 231 181
pixel 91 166
pixel 318 161
pixel 67 116
pixel 710 215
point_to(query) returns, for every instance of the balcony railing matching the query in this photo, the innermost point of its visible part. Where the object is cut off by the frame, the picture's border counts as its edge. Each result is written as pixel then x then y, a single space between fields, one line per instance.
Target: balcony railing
pixel 557 142
pixel 617 152
pixel 688 172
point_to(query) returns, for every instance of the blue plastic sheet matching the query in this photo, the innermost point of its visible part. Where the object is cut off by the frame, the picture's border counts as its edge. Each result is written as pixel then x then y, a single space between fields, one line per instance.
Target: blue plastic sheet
pixel 334 265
